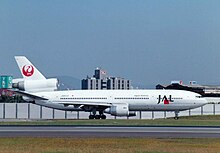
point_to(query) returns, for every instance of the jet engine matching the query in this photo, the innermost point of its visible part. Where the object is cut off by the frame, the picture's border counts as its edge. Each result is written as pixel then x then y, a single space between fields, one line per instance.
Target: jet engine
pixel 120 110
pixel 37 85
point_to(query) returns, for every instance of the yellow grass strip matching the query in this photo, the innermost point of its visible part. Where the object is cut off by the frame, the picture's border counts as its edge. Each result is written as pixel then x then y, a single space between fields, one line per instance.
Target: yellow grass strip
pixel 108 145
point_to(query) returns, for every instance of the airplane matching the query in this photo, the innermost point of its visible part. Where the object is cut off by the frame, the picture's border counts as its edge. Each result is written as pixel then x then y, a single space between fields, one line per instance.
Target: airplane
pixel 114 102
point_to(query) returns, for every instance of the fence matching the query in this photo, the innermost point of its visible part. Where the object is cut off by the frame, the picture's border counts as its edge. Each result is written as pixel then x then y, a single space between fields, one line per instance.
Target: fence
pixel 32 111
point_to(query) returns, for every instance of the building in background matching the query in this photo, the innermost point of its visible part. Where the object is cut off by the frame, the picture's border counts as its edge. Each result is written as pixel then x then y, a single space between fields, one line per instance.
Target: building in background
pixel 101 81
pixel 204 90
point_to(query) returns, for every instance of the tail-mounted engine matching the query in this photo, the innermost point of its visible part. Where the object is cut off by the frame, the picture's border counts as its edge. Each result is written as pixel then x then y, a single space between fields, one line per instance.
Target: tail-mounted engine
pixel 37 85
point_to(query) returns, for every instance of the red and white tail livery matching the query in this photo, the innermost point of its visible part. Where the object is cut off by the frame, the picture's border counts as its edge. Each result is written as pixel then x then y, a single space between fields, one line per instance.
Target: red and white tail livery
pixel 33 80
pixel 28 70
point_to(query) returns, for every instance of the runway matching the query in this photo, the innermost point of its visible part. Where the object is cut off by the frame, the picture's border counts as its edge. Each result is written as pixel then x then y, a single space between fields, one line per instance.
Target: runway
pixel 110 131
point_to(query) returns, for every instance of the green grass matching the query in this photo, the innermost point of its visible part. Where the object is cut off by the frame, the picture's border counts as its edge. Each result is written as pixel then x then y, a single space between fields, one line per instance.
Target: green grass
pixel 205 120
pixel 108 145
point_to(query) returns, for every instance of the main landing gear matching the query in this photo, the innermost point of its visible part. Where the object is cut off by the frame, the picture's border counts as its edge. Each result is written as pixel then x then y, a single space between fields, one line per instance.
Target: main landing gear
pixel 100 116
pixel 176 115
pixel 97 116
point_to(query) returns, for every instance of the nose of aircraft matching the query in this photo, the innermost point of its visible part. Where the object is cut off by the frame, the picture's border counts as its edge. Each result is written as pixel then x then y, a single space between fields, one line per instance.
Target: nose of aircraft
pixel 204 101
pixel 201 100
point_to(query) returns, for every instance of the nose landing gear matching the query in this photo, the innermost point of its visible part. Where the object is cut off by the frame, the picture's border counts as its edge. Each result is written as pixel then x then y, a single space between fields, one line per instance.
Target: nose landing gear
pixel 176 115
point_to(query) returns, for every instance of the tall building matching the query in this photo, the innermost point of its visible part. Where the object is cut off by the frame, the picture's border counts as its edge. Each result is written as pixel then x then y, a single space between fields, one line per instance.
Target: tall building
pixel 101 81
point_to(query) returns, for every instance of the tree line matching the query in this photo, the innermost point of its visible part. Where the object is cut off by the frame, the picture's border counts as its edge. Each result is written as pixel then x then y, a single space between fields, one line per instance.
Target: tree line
pixel 11 99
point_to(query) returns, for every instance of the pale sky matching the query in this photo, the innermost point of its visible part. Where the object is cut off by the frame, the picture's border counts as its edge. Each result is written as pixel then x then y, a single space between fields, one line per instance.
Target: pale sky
pixel 146 41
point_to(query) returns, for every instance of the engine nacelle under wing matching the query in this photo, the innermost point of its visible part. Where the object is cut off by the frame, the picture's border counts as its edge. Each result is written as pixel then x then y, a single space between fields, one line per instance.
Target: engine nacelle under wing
pixel 120 110
pixel 37 85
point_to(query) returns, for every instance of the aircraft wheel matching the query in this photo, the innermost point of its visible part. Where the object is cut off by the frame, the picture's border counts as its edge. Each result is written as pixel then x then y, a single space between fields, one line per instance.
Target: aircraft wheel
pixel 176 118
pixel 176 115
pixel 91 117
pixel 97 117
pixel 103 117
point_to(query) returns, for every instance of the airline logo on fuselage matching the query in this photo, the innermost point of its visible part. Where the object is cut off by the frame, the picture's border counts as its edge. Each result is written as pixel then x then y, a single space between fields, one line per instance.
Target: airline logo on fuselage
pixel 28 70
pixel 165 100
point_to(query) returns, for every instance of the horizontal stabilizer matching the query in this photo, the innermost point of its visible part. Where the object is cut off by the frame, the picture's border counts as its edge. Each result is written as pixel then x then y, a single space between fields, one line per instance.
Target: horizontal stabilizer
pixel 34 97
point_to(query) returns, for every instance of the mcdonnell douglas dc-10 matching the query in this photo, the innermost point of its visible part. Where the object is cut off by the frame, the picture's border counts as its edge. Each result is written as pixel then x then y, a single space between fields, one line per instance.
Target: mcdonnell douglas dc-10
pixel 35 88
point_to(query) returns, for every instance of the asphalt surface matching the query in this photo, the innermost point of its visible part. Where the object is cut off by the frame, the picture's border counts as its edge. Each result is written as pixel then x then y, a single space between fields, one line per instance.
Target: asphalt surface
pixel 109 131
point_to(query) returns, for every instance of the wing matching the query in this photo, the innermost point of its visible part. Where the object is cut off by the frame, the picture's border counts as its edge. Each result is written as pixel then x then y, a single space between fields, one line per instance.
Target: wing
pixel 90 103
pixel 66 103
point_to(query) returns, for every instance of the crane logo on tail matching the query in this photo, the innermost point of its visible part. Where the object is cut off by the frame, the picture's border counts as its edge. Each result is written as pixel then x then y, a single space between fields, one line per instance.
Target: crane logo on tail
pixel 28 70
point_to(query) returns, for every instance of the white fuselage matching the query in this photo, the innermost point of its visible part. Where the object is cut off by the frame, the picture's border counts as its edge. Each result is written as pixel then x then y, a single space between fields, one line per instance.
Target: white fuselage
pixel 37 89
pixel 137 100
